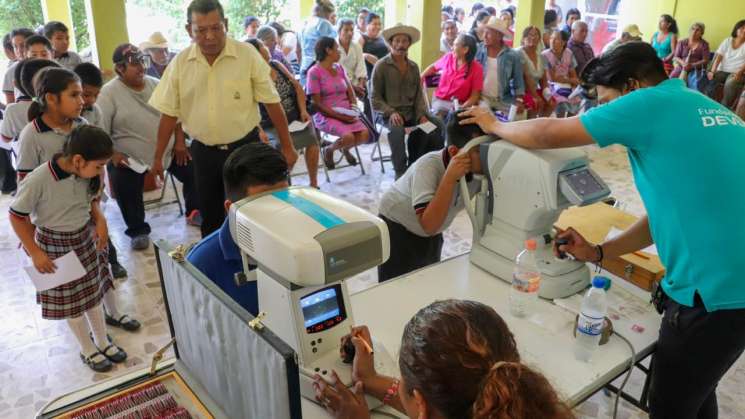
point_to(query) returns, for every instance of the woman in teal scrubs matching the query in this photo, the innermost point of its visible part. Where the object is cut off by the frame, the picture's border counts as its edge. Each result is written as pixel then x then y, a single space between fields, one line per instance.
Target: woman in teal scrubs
pixel 687 155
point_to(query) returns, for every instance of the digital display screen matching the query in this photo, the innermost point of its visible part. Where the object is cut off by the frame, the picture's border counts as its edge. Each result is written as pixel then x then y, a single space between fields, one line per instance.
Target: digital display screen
pixel 584 183
pixel 323 309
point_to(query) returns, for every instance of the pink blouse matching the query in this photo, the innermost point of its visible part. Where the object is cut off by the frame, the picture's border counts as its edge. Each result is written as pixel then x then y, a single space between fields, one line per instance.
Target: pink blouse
pixel 457 82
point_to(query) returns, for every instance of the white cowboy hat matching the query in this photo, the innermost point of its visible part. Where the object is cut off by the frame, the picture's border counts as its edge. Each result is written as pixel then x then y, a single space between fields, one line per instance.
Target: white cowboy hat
pixel 498 25
pixel 156 40
pixel 401 29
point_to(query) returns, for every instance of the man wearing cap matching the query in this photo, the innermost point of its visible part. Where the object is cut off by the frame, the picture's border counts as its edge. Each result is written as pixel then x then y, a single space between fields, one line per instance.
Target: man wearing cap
pixel 398 99
pixel 504 85
pixel 631 33
pixel 156 47
pixel 214 87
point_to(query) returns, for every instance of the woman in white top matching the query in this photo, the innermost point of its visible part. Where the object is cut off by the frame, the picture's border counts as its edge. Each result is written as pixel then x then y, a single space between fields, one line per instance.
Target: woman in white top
pixel 537 93
pixel 729 66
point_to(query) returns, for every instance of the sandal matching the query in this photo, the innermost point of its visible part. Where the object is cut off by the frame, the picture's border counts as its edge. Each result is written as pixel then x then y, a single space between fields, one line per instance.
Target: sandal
pixel 350 158
pixel 125 322
pixel 97 363
pixel 328 158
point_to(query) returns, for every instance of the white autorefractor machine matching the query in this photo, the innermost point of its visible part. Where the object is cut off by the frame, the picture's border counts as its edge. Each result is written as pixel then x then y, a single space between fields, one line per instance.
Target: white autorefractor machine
pixel 522 194
pixel 306 243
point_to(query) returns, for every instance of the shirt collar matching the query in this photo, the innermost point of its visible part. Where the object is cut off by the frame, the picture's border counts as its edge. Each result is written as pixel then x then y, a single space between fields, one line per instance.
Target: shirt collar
pixel 229 249
pixel 445 156
pixel 56 170
pixel 388 59
pixel 42 127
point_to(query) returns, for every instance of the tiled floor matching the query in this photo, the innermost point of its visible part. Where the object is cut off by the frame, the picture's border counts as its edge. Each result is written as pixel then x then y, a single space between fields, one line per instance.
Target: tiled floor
pixel 39 360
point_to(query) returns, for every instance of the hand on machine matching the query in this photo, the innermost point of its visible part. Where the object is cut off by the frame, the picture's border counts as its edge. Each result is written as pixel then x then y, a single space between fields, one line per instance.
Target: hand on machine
pixel 339 400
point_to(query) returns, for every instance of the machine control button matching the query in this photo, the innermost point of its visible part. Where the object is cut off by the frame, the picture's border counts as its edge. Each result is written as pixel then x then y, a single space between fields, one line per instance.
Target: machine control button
pixel 317 369
pixel 313 343
pixel 323 372
pixel 315 350
pixel 320 340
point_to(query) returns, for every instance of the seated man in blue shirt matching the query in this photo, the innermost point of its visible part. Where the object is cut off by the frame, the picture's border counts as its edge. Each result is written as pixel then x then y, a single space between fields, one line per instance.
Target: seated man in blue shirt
pixel 251 169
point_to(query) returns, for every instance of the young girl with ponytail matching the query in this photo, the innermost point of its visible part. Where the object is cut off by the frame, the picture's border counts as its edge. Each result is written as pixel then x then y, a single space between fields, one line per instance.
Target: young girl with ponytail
pixel 457 360
pixel 54 112
pixel 56 211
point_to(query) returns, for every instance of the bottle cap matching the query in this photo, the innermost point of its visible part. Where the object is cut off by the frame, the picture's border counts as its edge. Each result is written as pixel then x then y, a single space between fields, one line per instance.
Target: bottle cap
pixel 530 244
pixel 599 281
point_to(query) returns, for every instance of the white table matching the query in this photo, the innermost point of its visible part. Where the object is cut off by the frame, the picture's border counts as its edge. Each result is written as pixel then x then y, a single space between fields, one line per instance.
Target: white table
pixel 545 340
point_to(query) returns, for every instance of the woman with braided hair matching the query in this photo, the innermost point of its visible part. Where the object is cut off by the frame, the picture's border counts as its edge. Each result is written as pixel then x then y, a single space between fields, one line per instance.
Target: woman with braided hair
pixel 458 360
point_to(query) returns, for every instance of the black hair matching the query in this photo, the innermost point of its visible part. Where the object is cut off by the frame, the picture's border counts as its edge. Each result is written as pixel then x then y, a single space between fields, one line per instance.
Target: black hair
pixel 458 10
pixel 323 43
pixel 458 135
pixel 737 27
pixel 447 9
pixel 89 74
pixel 363 10
pixel 54 26
pixel 479 17
pixel 203 7
pixel 673 23
pixel 252 165
pixel 508 10
pixel 564 35
pixel 476 7
pixel 472 44
pixel 280 28
pixel 248 20
pixel 491 10
pixel 26 70
pixel 629 61
pixel 38 39
pixel 370 17
pixel 549 17
pixel 49 80
pixel 91 143
pixel 256 43
pixel 344 22
pixel 7 42
pixel 25 32
pixel 573 11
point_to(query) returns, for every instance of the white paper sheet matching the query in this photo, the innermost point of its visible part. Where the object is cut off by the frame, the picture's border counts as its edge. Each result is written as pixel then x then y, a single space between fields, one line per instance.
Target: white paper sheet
pixel 136 165
pixel 345 111
pixel 427 127
pixel 615 232
pixel 69 269
pixel 296 126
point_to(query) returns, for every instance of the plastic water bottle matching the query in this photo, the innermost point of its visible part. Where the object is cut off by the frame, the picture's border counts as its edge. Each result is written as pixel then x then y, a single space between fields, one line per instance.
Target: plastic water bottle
pixel 526 280
pixel 591 318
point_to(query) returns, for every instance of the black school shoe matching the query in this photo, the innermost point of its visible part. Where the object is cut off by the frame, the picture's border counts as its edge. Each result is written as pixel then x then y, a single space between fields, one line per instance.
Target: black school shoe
pixel 118 271
pixel 112 352
pixel 125 322
pixel 97 363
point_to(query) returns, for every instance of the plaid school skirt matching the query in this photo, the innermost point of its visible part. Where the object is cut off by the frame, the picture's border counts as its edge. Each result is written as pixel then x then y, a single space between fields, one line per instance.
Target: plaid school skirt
pixel 74 298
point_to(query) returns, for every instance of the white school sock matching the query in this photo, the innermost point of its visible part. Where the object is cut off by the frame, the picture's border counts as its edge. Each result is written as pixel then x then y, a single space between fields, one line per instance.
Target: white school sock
pixel 98 326
pixel 109 302
pixel 79 327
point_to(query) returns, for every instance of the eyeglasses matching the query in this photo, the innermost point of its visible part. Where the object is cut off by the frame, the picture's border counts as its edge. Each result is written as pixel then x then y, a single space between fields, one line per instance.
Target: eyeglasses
pixel 142 59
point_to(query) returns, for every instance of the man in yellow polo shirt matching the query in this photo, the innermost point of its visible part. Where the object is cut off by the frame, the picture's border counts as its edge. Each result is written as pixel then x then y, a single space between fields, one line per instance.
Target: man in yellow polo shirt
pixel 213 88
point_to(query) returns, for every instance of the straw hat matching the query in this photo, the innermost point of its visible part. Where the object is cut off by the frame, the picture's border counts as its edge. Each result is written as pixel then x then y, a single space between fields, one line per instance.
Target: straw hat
pixel 156 40
pixel 401 29
pixel 632 30
pixel 498 25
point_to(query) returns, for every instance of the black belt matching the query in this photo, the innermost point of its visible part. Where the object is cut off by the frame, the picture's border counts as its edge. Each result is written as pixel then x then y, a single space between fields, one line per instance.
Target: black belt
pixel 251 137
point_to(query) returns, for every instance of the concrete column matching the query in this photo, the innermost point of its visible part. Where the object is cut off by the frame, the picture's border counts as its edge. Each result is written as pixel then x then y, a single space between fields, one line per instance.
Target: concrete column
pixel 425 16
pixel 530 12
pixel 395 11
pixel 107 26
pixel 60 10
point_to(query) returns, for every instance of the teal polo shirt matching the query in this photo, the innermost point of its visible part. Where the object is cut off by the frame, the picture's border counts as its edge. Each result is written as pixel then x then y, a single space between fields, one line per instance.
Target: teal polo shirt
pixel 687 154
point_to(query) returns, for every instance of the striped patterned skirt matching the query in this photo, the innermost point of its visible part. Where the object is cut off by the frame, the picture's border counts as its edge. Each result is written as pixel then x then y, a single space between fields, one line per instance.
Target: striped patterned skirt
pixel 74 298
